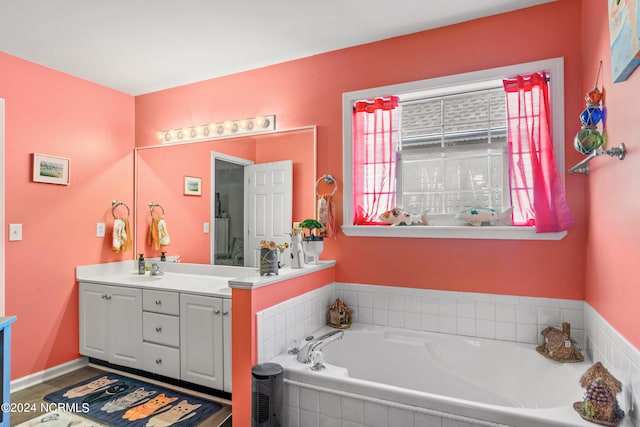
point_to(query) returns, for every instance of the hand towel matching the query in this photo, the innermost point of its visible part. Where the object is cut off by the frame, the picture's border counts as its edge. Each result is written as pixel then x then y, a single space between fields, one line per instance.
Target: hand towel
pixel 158 235
pixel 163 234
pixel 121 241
pixel 327 215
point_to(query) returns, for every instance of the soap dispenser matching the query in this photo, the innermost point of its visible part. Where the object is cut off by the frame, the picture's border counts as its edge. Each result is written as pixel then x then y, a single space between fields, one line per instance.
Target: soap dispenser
pixel 163 256
pixel 141 264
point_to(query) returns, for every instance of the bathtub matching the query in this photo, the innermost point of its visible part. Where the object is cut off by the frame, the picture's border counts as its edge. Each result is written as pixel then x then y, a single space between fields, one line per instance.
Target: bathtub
pixel 467 380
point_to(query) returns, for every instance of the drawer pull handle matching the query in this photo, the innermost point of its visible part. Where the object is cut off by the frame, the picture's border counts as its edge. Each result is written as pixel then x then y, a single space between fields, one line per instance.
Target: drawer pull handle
pixel 158 361
pixel 158 329
pixel 216 312
pixel 158 302
pixel 225 313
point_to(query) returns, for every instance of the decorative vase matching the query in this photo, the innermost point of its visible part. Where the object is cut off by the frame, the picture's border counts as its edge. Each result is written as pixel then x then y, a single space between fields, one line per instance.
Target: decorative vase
pixel 268 262
pixel 313 247
pixel 297 255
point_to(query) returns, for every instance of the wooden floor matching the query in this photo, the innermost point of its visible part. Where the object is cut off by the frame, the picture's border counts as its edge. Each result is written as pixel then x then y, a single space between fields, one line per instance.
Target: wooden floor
pixel 35 395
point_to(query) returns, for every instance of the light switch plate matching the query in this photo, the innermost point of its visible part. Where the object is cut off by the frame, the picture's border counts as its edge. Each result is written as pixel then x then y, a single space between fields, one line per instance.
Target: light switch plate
pixel 100 227
pixel 15 232
pixel 206 227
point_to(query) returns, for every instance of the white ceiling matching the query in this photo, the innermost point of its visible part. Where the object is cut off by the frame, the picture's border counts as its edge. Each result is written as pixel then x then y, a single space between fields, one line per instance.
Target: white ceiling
pixel 141 46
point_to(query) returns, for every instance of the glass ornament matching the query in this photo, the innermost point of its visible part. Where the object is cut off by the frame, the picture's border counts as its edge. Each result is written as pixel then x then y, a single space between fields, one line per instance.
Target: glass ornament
pixel 587 140
pixel 594 97
pixel 591 116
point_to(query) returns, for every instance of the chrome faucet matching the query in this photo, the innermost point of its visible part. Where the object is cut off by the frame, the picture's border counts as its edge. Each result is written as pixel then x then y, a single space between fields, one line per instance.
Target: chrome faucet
pixel 155 269
pixel 304 355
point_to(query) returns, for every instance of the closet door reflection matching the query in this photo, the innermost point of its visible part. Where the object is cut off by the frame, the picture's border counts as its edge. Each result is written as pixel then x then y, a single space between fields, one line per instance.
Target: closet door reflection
pixel 228 197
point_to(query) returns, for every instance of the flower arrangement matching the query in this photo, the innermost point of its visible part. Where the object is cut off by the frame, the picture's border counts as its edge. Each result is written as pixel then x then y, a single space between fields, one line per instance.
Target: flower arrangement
pixel 271 245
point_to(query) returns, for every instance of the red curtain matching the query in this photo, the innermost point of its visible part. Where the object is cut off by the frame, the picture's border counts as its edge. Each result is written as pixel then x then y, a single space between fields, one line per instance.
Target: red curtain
pixel 374 159
pixel 537 193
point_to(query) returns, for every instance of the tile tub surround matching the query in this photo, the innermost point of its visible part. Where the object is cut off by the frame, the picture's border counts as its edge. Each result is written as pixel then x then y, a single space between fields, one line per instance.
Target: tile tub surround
pixel 501 317
pixel 606 345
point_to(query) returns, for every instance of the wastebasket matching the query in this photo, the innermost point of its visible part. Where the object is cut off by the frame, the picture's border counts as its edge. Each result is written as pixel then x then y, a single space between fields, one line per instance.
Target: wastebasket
pixel 267 388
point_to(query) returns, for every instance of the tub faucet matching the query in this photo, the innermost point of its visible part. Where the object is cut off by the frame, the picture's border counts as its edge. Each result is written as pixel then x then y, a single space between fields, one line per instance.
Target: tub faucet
pixel 304 355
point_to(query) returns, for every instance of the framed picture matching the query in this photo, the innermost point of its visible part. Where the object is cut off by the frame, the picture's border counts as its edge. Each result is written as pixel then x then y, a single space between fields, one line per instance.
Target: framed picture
pixel 50 169
pixel 192 186
pixel 624 38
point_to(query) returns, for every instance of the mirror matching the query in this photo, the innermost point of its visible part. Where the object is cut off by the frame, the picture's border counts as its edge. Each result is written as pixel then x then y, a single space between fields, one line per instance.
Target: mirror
pixel 161 172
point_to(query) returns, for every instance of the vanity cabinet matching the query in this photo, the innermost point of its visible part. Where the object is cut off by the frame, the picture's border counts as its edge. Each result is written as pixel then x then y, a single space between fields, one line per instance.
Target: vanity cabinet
pixel 177 335
pixel 111 323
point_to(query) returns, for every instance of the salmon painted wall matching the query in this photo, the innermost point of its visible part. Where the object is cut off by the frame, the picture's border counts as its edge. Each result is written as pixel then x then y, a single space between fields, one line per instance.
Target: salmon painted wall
pixel 53 113
pixel 612 256
pixel 309 92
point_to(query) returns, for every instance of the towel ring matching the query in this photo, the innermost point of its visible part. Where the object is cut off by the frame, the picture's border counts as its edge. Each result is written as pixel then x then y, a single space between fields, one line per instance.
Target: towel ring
pixel 155 205
pixel 115 204
pixel 329 179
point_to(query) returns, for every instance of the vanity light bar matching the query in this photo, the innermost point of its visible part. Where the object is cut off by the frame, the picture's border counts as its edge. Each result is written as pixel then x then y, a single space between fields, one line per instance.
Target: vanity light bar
pixel 226 129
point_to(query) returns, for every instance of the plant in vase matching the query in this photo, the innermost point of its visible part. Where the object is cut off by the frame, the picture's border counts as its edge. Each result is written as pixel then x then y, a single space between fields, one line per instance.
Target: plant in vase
pixel 312 242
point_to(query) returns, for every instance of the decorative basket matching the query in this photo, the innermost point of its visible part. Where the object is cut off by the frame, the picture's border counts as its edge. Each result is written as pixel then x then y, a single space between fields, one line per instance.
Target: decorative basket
pixel 268 262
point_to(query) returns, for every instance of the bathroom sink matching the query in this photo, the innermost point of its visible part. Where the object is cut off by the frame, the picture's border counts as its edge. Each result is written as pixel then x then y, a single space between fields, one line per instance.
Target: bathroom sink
pixel 225 290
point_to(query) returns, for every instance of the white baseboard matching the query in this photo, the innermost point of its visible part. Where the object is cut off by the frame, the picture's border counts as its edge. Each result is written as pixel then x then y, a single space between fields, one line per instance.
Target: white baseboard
pixel 47 374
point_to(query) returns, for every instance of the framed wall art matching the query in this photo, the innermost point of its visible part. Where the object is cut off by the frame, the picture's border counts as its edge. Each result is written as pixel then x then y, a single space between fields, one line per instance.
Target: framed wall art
pixel 192 186
pixel 623 38
pixel 50 169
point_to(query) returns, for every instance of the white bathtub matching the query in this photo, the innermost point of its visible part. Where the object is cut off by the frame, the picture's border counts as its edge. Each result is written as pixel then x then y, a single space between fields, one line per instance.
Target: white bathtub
pixel 472 380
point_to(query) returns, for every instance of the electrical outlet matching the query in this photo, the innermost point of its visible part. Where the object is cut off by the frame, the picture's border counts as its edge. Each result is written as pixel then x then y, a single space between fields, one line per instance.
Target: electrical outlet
pixel 15 232
pixel 100 227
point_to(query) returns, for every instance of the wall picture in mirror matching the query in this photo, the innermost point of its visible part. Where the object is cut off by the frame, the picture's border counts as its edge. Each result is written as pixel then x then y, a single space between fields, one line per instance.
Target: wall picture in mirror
pixel 161 172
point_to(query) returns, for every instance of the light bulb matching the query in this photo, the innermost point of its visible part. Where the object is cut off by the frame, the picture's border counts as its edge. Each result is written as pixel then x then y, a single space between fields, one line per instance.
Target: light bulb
pixel 260 121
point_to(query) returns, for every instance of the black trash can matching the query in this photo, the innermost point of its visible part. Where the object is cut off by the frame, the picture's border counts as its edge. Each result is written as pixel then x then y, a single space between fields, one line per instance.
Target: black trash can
pixel 267 395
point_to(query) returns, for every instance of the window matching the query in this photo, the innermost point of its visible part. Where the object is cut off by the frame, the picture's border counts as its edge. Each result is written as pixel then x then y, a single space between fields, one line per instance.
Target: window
pixel 450 142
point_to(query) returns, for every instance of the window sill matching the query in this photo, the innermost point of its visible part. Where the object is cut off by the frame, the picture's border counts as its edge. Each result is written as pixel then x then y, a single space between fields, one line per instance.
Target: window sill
pixel 451 232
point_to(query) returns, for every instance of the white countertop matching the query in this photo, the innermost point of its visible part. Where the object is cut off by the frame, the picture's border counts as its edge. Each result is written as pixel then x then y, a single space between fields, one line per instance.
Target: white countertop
pixel 203 279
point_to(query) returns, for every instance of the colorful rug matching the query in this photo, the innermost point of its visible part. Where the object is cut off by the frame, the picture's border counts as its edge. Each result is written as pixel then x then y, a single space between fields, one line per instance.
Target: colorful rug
pixel 116 400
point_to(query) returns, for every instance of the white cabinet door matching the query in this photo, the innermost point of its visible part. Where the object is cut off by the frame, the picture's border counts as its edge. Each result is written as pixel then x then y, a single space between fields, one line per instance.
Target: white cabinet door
pixel 201 355
pixel 111 324
pixel 125 326
pixel 269 189
pixel 226 331
pixel 94 328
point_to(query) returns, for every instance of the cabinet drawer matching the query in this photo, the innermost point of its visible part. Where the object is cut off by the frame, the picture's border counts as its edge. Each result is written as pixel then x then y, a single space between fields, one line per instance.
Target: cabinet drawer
pixel 161 328
pixel 161 360
pixel 161 302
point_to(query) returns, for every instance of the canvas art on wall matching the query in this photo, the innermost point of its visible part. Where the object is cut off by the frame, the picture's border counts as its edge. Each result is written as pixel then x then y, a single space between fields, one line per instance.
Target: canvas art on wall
pixel 623 38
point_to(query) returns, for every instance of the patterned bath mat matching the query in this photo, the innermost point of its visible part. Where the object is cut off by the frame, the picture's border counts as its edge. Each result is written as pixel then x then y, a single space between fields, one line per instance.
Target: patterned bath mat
pixel 58 419
pixel 120 401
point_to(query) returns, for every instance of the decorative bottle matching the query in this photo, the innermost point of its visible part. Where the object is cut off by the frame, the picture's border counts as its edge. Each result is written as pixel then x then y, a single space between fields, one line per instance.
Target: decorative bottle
pixel 141 264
